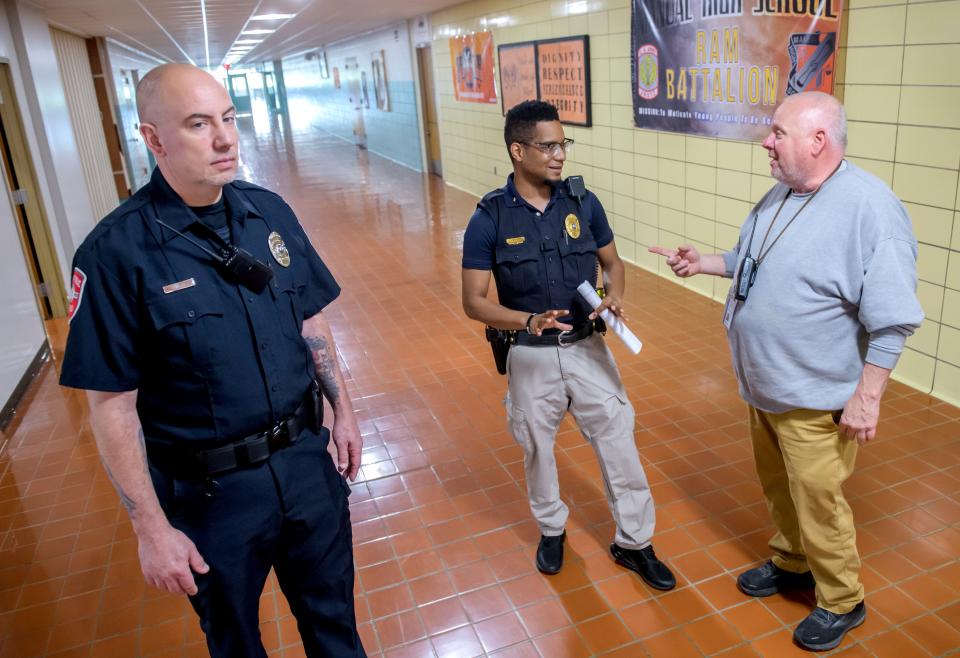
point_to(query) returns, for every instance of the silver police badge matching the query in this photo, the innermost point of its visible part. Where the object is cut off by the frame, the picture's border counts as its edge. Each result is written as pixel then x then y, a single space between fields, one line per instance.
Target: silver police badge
pixel 278 249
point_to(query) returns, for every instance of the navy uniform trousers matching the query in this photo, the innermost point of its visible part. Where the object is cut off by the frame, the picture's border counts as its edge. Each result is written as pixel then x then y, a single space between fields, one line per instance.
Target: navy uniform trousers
pixel 290 513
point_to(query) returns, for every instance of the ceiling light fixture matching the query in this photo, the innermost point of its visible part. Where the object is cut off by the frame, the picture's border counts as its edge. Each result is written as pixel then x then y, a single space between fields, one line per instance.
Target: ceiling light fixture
pixel 272 17
pixel 258 32
pixel 248 41
pixel 206 37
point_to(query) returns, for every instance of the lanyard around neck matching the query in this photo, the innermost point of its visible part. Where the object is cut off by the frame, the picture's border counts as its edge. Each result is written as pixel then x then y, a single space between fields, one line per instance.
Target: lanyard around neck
pixel 761 254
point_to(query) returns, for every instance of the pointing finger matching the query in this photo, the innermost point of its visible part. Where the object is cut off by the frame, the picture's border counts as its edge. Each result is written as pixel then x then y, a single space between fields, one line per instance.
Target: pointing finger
pixel 669 253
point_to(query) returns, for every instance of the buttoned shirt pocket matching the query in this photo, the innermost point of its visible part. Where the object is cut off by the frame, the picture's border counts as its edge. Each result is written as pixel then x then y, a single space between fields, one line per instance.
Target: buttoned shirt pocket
pixel 579 261
pixel 186 324
pixel 286 297
pixel 518 268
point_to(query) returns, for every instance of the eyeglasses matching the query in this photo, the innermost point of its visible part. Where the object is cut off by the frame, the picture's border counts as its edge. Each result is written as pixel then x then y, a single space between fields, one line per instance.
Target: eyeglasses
pixel 551 148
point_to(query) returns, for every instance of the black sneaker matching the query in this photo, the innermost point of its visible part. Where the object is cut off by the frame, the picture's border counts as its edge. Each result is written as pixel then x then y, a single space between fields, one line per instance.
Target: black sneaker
pixel 824 630
pixel 645 562
pixel 550 554
pixel 768 579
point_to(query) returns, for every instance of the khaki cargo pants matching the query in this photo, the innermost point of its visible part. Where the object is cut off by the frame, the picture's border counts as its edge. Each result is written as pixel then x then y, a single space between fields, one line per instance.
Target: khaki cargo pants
pixel 545 382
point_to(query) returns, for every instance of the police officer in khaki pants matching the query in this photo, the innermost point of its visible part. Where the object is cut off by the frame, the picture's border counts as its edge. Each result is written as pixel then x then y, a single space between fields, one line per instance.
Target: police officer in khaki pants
pixel 823 298
pixel 540 241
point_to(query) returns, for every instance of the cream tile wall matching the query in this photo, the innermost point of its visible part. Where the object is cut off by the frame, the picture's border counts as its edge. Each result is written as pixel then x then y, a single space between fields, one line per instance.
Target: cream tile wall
pixel 898 78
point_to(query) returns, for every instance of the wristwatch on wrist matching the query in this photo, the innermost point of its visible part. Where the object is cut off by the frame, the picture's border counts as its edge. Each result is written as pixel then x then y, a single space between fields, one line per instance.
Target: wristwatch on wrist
pixel 529 319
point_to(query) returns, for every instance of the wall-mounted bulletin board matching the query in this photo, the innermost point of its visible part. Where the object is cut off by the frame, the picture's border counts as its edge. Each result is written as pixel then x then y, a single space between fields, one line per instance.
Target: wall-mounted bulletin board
pixel 553 70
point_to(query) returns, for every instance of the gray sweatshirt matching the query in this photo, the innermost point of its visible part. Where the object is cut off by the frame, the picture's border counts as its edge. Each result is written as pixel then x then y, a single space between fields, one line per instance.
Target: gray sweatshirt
pixel 837 290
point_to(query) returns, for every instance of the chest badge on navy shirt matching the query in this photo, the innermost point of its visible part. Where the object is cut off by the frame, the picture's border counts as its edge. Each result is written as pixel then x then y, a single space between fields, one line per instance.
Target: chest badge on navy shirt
pixel 278 249
pixel 572 225
pixel 516 241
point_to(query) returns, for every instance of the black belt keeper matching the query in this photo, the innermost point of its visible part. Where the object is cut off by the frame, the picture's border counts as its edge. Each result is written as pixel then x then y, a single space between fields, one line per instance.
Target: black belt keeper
pixel 561 339
pixel 248 451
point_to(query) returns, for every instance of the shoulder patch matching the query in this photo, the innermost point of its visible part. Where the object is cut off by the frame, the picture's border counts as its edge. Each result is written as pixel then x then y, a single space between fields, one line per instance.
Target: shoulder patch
pixel 77 284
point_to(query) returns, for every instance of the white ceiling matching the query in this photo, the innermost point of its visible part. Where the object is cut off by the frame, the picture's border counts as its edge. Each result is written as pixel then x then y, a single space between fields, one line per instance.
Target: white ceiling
pixel 203 31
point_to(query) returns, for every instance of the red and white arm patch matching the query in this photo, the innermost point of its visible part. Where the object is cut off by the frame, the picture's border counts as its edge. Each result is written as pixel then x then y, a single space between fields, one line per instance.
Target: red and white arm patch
pixel 77 284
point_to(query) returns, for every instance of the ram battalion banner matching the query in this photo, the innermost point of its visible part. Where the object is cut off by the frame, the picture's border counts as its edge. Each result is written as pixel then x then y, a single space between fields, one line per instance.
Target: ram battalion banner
pixel 721 67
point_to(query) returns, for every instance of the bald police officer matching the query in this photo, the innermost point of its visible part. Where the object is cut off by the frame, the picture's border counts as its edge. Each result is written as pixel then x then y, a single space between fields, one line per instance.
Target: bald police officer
pixel 539 241
pixel 196 328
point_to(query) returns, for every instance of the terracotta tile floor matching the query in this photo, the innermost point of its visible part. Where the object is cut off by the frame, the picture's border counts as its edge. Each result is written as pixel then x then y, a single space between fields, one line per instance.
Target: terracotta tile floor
pixel 444 540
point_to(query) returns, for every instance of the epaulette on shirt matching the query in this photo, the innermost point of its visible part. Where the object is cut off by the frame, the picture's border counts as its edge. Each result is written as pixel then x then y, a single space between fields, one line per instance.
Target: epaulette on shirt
pixel 490 196
pixel 251 187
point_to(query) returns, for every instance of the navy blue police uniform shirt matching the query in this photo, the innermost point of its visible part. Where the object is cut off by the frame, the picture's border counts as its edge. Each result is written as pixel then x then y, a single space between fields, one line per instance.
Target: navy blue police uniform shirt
pixel 211 360
pixel 480 240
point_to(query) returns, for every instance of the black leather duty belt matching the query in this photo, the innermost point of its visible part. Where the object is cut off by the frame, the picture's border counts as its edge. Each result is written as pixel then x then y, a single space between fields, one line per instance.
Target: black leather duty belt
pixel 561 339
pixel 248 451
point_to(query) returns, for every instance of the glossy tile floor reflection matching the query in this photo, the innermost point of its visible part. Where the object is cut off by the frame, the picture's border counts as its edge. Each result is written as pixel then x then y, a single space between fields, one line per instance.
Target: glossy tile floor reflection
pixel 444 539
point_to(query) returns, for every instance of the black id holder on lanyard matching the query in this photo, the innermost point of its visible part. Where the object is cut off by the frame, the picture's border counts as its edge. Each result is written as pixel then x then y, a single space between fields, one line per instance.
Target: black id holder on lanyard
pixel 748 273
pixel 748 269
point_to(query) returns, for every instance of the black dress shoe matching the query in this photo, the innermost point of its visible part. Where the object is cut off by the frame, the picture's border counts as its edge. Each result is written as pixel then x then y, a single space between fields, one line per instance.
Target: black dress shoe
pixel 550 554
pixel 768 579
pixel 824 630
pixel 645 562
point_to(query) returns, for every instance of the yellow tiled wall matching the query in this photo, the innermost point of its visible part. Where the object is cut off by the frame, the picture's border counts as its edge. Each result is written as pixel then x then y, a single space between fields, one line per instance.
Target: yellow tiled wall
pixel 899 79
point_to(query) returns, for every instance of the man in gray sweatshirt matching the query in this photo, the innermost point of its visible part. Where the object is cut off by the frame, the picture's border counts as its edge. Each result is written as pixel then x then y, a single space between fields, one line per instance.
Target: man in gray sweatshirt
pixel 822 300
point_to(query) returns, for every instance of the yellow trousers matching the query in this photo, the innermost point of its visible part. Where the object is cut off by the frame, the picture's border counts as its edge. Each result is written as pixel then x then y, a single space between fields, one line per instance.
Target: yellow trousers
pixel 802 461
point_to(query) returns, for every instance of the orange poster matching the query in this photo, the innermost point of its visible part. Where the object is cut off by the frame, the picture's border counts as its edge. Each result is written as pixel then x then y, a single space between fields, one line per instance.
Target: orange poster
pixel 518 74
pixel 563 77
pixel 471 57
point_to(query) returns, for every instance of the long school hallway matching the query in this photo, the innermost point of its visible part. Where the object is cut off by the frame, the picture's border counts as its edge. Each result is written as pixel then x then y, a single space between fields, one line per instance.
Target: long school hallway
pixel 444 540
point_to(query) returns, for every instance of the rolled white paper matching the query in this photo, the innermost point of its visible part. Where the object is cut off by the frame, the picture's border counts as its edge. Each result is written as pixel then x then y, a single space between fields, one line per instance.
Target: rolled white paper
pixel 614 324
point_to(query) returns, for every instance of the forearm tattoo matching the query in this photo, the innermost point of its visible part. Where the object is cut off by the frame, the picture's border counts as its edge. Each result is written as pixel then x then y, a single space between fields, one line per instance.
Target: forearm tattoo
pixel 323 358
pixel 128 503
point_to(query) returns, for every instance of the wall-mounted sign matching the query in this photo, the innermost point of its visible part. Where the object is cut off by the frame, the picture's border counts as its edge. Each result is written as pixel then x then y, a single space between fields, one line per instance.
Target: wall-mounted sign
pixel 378 66
pixel 518 73
pixel 553 70
pixel 563 76
pixel 720 68
pixel 422 35
pixel 471 57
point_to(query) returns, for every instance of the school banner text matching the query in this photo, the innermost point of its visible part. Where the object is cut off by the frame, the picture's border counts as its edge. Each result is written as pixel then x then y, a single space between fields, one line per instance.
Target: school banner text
pixel 721 67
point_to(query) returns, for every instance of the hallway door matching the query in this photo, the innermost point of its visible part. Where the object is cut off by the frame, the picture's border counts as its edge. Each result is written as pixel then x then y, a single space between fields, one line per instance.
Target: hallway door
pixel 32 226
pixel 270 92
pixel 428 101
pixel 352 68
pixel 240 92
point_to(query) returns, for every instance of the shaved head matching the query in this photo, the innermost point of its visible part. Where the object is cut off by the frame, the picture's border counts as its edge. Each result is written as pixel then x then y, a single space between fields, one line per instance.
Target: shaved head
pixel 807 140
pixel 188 122
pixel 159 83
pixel 819 111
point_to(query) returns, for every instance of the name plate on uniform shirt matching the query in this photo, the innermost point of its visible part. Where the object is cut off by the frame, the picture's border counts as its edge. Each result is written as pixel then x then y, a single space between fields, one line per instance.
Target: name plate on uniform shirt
pixel 179 285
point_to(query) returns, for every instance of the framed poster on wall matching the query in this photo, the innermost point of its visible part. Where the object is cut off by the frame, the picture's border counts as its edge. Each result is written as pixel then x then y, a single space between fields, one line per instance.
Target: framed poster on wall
pixel 379 69
pixel 518 73
pixel 563 77
pixel 556 71
pixel 322 62
pixel 365 98
pixel 471 58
